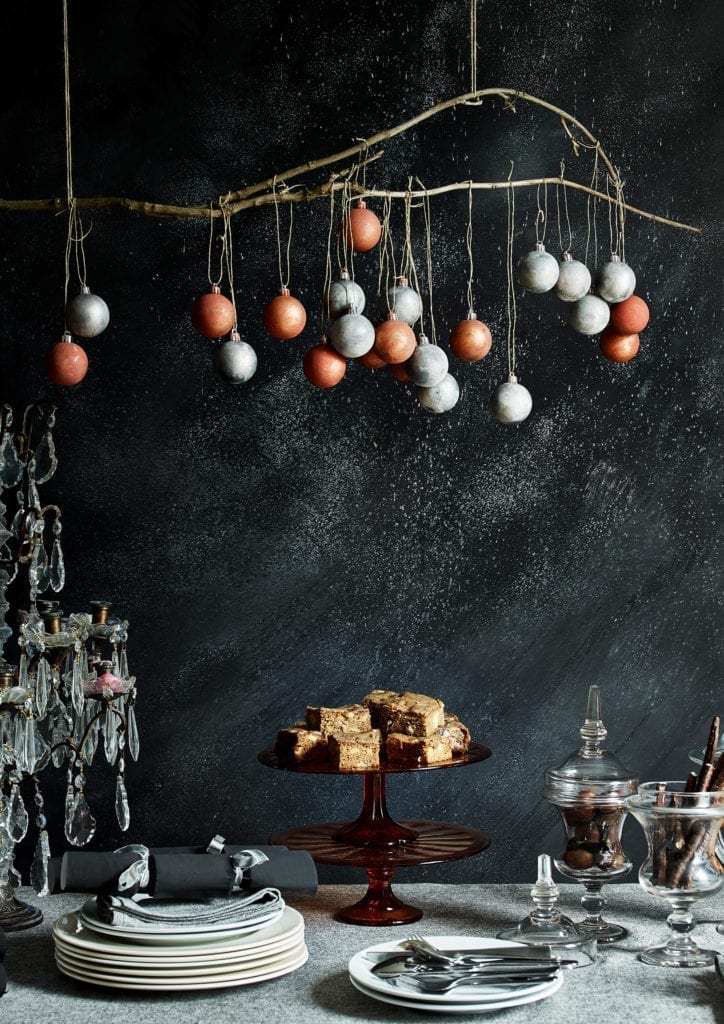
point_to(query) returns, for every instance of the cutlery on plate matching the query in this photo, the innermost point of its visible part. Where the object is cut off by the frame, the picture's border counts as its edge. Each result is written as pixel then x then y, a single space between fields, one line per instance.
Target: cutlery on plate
pixel 407 968
pixel 440 985
pixel 425 949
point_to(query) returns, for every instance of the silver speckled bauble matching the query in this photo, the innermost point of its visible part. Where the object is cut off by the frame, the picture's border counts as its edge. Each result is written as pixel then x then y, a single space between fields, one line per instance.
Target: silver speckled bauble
pixel 235 360
pixel 86 314
pixel 589 315
pixel 615 281
pixel 538 270
pixel 511 402
pixel 343 295
pixel 404 302
pixel 440 398
pixel 574 279
pixel 352 334
pixel 427 365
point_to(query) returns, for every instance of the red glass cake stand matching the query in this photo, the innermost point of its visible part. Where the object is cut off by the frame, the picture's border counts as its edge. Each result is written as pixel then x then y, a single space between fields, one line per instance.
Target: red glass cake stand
pixel 378 843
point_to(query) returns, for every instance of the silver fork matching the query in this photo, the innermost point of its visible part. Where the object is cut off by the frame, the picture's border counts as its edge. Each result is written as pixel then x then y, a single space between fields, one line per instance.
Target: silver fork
pixel 431 953
pixel 442 985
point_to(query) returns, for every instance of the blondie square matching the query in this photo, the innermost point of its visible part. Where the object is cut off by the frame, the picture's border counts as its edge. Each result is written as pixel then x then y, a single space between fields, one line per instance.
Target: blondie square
pixel 303 746
pixel 423 749
pixel 457 733
pixel 413 714
pixel 349 718
pixel 376 701
pixel 355 750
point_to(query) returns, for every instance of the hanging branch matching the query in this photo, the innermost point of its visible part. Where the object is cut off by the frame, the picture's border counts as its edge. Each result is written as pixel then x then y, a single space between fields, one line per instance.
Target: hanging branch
pixel 261 193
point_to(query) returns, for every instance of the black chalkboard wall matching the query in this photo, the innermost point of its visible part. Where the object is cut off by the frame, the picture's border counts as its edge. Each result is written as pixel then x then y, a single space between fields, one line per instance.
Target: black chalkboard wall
pixel 273 544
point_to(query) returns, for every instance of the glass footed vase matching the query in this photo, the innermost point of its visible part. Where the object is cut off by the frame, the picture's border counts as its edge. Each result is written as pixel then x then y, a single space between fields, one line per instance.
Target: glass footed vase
pixel 682 865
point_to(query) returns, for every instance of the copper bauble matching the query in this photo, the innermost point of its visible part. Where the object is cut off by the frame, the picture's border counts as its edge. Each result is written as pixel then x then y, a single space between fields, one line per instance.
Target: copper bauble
pixel 629 316
pixel 66 363
pixel 371 361
pixel 212 314
pixel 324 367
pixel 470 340
pixel 362 227
pixel 399 372
pixel 284 317
pixel 618 348
pixel 395 341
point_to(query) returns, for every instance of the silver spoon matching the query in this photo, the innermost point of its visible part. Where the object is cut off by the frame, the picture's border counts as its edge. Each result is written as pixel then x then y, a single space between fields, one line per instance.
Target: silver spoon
pixel 424 983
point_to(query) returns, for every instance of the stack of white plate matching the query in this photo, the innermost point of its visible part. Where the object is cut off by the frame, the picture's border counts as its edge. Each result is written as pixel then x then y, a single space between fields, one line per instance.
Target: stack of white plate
pixel 461 999
pixel 151 959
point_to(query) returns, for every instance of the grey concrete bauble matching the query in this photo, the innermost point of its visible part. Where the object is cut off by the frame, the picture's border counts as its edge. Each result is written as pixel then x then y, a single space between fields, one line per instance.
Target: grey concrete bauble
pixel 427 365
pixel 615 281
pixel 574 279
pixel 538 270
pixel 440 398
pixel 511 402
pixel 589 315
pixel 235 361
pixel 352 335
pixel 344 295
pixel 405 303
pixel 87 315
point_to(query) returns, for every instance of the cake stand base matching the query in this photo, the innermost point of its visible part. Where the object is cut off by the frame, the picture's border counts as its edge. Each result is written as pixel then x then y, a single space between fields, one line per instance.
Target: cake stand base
pixel 15 915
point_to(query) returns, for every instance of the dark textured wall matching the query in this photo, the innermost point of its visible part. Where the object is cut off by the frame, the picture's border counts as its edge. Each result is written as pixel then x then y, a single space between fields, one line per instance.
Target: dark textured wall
pixel 273 544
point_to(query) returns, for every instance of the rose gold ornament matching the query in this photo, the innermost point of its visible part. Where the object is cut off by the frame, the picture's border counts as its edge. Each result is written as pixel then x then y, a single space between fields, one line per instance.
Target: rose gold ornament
pixel 284 317
pixel 617 347
pixel 399 372
pixel 370 360
pixel 324 366
pixel 470 340
pixel 395 341
pixel 629 316
pixel 66 363
pixel 212 314
pixel 362 227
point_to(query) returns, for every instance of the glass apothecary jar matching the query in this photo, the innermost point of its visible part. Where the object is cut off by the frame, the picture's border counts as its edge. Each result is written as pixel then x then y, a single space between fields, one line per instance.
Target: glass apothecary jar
pixel 589 790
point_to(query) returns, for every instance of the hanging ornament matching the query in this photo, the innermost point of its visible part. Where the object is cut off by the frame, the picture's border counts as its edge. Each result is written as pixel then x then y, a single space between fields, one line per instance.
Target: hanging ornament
pixel 589 315
pixel 371 361
pixel 441 397
pixel 352 334
pixel 361 227
pixel 470 339
pixel 511 402
pixel 323 366
pixel 574 279
pixel 538 270
pixel 212 314
pixel 394 340
pixel 615 280
pixel 284 317
pixel 405 302
pixel 65 362
pixel 86 314
pixel 235 360
pixel 618 348
pixel 629 316
pixel 399 372
pixel 342 294
pixel 427 365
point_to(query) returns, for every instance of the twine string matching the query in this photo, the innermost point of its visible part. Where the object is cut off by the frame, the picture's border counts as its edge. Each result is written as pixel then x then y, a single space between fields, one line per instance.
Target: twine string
pixel 326 309
pixel 228 253
pixel 428 261
pixel 469 243
pixel 410 268
pixel 511 303
pixel 592 213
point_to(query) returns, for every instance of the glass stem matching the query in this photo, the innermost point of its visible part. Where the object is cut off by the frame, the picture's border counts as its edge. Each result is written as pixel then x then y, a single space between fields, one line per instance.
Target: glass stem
pixel 593 903
pixel 681 922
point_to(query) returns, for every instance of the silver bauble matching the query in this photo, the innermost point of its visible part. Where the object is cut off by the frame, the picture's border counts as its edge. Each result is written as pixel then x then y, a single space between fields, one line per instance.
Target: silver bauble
pixel 440 398
pixel 404 302
pixel 427 365
pixel 589 315
pixel 615 281
pixel 352 335
pixel 235 360
pixel 86 314
pixel 538 270
pixel 343 295
pixel 511 402
pixel 574 279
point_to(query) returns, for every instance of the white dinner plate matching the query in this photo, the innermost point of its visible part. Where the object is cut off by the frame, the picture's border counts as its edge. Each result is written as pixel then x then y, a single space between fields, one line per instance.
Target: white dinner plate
pixel 198 981
pixel 69 930
pixel 360 970
pixel 154 935
pixel 441 1007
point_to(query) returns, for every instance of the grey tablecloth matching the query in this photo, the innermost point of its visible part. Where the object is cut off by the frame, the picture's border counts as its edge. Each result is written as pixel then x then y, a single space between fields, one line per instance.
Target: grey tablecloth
pixel 617 989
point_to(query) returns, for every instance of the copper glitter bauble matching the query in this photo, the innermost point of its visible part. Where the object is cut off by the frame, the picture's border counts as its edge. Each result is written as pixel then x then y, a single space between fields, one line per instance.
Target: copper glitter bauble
pixel 212 314
pixel 470 340
pixel 618 348
pixel 284 317
pixel 324 367
pixel 361 227
pixel 66 363
pixel 395 341
pixel 399 372
pixel 629 316
pixel 371 361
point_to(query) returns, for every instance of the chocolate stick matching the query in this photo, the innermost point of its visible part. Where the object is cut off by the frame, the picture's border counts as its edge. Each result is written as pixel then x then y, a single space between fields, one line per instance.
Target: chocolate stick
pixel 697 838
pixel 691 782
pixel 711 748
pixel 718 781
pixel 658 867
